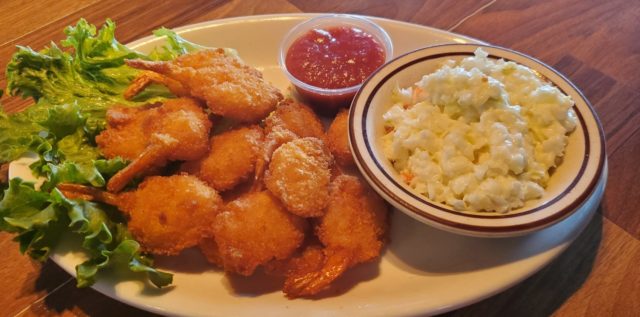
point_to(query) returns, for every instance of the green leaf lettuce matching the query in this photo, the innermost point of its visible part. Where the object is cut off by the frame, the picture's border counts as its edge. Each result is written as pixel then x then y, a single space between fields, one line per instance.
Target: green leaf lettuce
pixel 41 218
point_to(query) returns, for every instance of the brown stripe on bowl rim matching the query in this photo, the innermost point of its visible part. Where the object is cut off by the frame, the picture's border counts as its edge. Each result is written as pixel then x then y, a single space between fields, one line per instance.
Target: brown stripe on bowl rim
pixel 544 222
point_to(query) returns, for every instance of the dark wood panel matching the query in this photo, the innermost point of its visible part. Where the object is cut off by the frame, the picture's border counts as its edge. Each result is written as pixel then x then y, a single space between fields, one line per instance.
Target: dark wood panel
pixel 24 280
pixel 72 301
pixel 604 33
pixel 19 17
pixel 593 42
pixel 247 7
pixel 439 14
pixel 573 285
pixel 623 188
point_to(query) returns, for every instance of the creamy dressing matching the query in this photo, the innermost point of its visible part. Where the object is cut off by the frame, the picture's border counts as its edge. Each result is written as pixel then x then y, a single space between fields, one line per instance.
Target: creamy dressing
pixel 478 134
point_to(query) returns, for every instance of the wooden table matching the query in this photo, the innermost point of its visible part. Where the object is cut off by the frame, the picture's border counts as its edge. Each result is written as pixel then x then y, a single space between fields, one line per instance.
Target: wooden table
pixel 595 43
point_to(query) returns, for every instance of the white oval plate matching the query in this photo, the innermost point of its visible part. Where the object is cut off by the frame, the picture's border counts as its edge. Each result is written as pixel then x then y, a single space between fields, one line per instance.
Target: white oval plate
pixel 423 270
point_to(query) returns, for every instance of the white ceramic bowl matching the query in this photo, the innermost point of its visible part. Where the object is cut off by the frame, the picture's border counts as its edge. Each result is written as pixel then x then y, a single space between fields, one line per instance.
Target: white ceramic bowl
pixel 569 185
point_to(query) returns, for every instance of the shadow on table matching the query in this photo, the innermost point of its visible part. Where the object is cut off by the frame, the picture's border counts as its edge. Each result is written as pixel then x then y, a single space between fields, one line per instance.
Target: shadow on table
pixel 87 301
pixel 260 283
pixel 67 299
pixel 547 290
pixel 424 250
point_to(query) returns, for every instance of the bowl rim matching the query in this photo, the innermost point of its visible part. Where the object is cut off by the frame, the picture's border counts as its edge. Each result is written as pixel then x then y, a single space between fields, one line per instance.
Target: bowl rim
pixel 511 227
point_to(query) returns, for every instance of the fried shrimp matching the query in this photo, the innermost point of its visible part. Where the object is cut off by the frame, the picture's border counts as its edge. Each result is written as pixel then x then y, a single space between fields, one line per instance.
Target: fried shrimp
pixel 181 219
pixel 151 136
pixel 290 120
pixel 230 88
pixel 352 232
pixel 310 259
pixel 125 135
pixel 299 175
pixel 255 229
pixel 338 139
pixel 297 118
pixel 231 158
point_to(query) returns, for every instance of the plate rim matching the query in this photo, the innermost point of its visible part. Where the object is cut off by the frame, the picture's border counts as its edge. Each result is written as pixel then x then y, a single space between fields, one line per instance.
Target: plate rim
pixel 550 254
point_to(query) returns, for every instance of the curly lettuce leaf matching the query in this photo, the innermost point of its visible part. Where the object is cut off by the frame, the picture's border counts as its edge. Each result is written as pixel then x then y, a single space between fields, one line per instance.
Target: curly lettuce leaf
pixel 94 74
pixel 18 135
pixel 127 254
pixel 74 89
pixel 71 90
pixel 73 84
pixel 91 74
pixel 40 219
pixel 21 207
pixel 63 120
pixel 59 135
pixel 177 45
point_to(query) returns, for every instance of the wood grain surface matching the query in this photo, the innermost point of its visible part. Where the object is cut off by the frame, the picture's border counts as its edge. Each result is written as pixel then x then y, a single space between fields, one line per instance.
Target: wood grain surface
pixel 595 43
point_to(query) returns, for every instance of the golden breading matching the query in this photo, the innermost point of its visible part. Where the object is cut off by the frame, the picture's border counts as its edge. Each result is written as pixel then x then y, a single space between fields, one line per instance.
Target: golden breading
pixel 297 118
pixel 230 88
pixel 151 136
pixel 356 219
pixel 184 121
pixel 352 232
pixel 169 214
pixel 231 158
pixel 211 251
pixel 255 229
pixel 309 259
pixel 299 175
pixel 338 139
pixel 125 134
pixel 291 120
pixel 131 130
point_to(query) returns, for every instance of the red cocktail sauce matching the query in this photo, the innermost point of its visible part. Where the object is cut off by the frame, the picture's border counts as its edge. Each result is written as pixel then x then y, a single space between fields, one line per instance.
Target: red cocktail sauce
pixel 333 58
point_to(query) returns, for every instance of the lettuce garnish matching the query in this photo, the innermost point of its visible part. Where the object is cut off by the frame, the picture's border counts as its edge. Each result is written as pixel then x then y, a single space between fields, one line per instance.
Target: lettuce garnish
pixel 73 85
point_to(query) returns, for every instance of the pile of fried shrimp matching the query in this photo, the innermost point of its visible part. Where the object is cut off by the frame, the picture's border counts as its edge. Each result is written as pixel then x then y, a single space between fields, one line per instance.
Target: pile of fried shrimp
pixel 232 167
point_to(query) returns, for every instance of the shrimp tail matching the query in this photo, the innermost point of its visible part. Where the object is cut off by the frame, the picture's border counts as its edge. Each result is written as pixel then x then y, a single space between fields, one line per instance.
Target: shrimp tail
pixel 148 158
pixel 147 78
pixel 311 283
pixel 76 191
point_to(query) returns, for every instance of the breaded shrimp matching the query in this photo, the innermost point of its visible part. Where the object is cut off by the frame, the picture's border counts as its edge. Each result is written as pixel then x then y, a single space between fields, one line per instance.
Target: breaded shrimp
pixel 255 229
pixel 355 219
pixel 352 232
pixel 299 175
pixel 151 136
pixel 290 120
pixel 308 260
pixel 125 135
pixel 230 88
pixel 166 214
pixel 338 139
pixel 297 118
pixel 277 136
pixel 231 158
